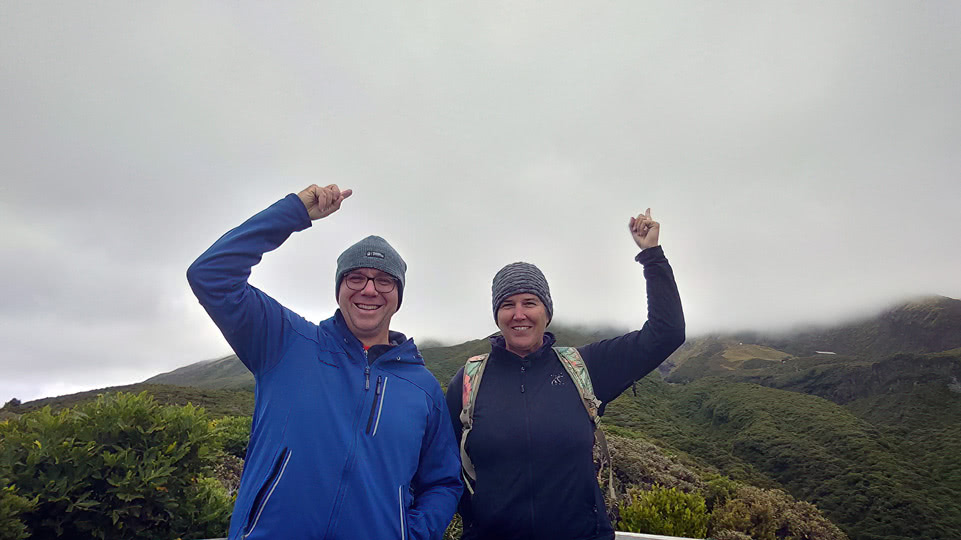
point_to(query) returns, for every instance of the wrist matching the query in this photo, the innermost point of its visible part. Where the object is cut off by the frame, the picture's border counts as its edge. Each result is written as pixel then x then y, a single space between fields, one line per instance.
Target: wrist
pixel 301 211
pixel 651 254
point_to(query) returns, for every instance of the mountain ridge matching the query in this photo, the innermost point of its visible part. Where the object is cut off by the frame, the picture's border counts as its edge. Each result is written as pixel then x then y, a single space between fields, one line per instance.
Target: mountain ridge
pixel 923 325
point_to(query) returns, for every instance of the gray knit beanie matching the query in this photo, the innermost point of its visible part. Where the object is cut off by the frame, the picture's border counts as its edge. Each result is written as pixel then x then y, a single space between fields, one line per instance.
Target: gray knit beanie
pixel 517 278
pixel 372 252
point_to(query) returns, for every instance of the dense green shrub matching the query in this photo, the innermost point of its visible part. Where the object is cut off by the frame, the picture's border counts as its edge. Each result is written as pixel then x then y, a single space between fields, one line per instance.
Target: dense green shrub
pixel 232 434
pixel 12 508
pixel 665 511
pixel 642 464
pixel 718 490
pixel 764 514
pixel 120 467
pixel 728 534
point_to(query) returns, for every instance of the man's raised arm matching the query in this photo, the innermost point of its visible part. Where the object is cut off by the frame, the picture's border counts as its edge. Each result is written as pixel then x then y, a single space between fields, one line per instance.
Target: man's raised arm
pixel 250 320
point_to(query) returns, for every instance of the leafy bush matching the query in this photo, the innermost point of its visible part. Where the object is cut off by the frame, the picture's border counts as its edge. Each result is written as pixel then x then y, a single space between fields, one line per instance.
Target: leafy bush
pixel 120 467
pixel 640 463
pixel 730 535
pixel 719 490
pixel 232 434
pixel 12 507
pixel 665 511
pixel 764 514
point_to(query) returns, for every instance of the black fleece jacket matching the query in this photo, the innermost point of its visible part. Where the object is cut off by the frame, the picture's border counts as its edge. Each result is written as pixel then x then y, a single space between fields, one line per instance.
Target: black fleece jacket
pixel 532 440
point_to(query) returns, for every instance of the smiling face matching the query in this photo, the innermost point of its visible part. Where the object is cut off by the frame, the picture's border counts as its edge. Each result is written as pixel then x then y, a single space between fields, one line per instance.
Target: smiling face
pixel 522 319
pixel 367 312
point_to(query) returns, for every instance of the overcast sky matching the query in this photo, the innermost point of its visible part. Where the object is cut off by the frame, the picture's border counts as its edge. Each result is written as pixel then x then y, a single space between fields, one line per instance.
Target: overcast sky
pixel 803 160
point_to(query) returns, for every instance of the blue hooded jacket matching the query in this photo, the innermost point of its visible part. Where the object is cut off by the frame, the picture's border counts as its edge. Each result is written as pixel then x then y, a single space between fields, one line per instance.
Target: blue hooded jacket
pixel 342 445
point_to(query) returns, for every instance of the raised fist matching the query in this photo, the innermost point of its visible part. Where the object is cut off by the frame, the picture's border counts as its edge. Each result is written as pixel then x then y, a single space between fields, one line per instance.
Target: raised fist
pixel 644 230
pixel 322 201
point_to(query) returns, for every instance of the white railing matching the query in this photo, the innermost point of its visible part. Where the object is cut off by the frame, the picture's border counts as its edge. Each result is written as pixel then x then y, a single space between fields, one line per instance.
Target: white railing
pixel 618 535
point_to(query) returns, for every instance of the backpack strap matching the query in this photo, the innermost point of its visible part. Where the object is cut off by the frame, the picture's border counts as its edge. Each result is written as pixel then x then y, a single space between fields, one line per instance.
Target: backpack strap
pixel 473 371
pixel 576 367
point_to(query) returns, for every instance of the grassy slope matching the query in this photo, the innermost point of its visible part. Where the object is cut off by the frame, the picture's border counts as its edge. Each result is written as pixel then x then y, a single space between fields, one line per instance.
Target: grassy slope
pixel 217 403
pixel 907 458
pixel 924 325
pixel 223 373
pixel 821 452
pixel 923 426
pixel 816 449
pixel 717 356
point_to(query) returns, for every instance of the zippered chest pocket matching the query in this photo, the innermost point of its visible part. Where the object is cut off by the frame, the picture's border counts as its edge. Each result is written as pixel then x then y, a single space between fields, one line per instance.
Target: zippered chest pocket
pixel 377 406
pixel 398 411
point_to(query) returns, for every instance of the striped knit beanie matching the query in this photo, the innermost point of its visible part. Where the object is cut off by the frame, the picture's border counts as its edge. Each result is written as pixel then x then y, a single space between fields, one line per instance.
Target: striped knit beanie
pixel 517 278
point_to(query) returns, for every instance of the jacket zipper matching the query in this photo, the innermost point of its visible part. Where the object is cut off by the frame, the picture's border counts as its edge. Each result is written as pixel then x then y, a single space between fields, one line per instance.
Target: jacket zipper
pixel 373 406
pixel 366 371
pixel 527 418
pixel 279 467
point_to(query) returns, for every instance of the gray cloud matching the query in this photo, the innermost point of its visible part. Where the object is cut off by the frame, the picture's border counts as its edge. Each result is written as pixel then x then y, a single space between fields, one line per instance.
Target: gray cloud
pixel 802 159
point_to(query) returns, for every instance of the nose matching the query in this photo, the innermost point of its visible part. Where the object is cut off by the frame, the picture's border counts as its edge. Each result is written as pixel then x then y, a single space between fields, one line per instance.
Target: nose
pixel 369 289
pixel 518 314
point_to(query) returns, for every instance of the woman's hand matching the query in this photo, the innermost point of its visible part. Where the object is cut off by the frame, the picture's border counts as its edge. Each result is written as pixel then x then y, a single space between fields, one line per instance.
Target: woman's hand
pixel 644 230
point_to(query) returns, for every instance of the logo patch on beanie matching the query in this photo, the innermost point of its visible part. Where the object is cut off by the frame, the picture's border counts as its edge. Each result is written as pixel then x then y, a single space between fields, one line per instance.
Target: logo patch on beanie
pixel 377 254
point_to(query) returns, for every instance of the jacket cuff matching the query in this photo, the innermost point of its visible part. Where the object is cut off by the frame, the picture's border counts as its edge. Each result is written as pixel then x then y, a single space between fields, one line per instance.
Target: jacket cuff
pixel 300 210
pixel 651 255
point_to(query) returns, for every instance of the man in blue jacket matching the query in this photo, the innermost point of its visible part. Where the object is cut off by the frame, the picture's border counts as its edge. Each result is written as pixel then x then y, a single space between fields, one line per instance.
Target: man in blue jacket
pixel 351 436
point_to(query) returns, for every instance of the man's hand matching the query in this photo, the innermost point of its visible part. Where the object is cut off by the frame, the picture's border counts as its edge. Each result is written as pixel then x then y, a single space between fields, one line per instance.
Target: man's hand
pixel 644 230
pixel 323 201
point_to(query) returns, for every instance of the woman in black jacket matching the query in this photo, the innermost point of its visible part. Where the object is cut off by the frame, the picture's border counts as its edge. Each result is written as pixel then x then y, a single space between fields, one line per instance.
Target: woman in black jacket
pixel 531 437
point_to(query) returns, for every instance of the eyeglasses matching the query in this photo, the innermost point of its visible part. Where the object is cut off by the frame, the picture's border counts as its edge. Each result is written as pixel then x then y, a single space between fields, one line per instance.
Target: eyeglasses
pixel 358 282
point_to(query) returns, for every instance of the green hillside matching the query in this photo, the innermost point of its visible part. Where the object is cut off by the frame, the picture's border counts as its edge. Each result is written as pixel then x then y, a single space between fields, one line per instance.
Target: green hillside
pixel 924 325
pixel 717 355
pixel 821 452
pixel 217 403
pixel 223 373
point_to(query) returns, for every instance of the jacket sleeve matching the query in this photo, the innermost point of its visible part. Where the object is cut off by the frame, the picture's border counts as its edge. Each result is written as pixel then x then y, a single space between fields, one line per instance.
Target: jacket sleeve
pixel 614 364
pixel 437 485
pixel 251 321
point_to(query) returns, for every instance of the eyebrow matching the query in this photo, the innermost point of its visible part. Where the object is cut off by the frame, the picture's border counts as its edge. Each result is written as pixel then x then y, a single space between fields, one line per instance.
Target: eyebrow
pixel 377 273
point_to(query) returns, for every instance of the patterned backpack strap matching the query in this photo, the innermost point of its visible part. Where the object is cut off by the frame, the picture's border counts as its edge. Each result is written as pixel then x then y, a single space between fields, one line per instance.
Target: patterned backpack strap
pixel 574 364
pixel 473 371
pixel 577 369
